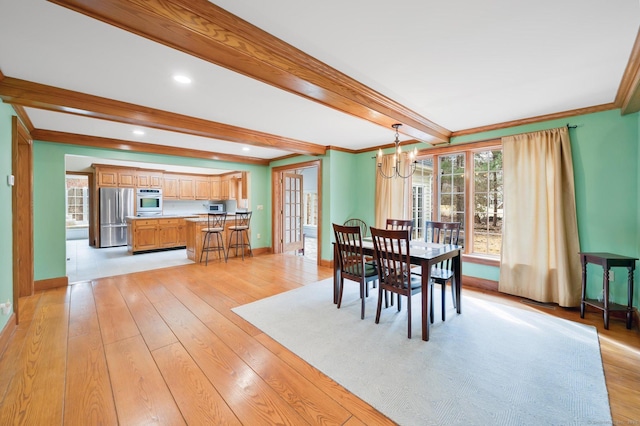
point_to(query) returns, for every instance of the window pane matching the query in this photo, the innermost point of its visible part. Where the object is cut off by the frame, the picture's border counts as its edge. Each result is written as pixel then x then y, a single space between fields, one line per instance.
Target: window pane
pixel 487 206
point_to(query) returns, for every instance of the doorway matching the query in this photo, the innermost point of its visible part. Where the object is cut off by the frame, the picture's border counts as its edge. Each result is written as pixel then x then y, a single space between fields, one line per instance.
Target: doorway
pixel 297 209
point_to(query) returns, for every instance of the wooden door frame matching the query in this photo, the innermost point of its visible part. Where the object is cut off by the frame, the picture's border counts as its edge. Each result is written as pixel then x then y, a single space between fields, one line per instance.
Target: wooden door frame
pixel 22 217
pixel 276 202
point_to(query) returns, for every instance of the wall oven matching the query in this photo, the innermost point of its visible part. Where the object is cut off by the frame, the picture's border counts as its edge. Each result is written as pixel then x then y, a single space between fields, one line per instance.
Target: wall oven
pixel 148 202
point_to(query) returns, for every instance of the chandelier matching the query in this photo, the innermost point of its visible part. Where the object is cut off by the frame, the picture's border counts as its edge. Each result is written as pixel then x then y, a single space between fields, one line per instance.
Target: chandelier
pixel 395 170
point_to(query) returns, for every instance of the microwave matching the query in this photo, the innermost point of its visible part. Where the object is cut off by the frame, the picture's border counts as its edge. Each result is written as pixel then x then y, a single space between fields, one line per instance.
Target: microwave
pixel 215 208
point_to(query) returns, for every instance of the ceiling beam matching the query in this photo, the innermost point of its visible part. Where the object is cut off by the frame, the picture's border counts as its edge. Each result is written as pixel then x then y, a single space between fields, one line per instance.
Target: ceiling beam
pixel 28 94
pixel 202 29
pixel 149 148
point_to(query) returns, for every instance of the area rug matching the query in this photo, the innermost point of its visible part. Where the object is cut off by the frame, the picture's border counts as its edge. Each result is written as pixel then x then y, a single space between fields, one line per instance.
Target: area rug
pixel 490 365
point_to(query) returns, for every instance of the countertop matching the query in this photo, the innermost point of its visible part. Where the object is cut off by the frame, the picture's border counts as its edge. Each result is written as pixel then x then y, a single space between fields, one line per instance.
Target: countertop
pixel 165 216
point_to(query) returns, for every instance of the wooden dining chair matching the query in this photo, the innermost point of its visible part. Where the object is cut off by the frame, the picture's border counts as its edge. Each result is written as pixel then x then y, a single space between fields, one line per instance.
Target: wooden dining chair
pixel 442 273
pixel 364 229
pixel 392 255
pixel 400 224
pixel 353 264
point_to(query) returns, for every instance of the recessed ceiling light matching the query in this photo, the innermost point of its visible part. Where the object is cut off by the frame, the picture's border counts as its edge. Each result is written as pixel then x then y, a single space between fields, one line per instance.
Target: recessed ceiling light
pixel 138 132
pixel 182 79
pixel 246 148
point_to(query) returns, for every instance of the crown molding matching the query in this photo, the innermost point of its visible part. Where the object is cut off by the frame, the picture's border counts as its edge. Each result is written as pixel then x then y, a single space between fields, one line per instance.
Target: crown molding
pixel 628 96
pixel 537 119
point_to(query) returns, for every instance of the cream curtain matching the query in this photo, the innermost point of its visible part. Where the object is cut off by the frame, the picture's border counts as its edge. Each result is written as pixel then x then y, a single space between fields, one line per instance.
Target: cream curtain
pixel 540 234
pixel 393 196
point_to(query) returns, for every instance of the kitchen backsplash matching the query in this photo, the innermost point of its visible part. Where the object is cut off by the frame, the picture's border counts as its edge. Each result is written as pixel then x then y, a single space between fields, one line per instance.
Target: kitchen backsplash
pixel 184 207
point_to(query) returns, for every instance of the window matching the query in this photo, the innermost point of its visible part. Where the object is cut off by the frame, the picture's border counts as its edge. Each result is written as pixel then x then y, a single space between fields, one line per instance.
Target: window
pixel 77 200
pixel 468 189
pixel 422 204
pixel 487 204
pixel 452 190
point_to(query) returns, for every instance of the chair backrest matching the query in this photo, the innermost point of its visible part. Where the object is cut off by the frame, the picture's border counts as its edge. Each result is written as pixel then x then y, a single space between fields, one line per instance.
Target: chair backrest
pixel 391 252
pixel 350 254
pixel 243 219
pixel 400 224
pixel 364 229
pixel 442 232
pixel 216 220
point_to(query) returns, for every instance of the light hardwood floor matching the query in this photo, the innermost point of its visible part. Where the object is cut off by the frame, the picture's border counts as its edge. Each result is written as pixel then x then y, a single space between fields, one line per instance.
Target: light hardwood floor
pixel 164 347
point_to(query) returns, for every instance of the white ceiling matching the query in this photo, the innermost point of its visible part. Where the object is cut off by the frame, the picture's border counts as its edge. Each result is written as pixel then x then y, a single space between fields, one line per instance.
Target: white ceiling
pixel 461 64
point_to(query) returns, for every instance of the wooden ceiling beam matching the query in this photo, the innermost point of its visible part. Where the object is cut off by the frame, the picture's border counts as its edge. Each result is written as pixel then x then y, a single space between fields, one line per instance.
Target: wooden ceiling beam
pixel 149 148
pixel 202 29
pixel 28 94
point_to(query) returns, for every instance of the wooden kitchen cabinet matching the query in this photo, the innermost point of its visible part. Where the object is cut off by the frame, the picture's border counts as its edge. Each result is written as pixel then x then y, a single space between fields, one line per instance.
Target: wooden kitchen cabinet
pixel 202 187
pixel 154 234
pixel 144 235
pixel 215 188
pixel 170 189
pixel 150 179
pixel 186 187
pixel 168 232
pixel 115 177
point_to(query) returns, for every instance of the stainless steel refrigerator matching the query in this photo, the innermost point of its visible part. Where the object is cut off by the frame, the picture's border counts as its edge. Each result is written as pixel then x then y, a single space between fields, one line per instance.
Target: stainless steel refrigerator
pixel 115 205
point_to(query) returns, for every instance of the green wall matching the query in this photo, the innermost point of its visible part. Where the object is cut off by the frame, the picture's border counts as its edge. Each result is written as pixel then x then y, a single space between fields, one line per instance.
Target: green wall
pixel 606 162
pixel 49 198
pixel 6 216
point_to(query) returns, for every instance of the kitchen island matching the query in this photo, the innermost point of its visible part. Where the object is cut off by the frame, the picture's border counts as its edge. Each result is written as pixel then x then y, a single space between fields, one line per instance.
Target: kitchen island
pixel 156 233
pixel 195 236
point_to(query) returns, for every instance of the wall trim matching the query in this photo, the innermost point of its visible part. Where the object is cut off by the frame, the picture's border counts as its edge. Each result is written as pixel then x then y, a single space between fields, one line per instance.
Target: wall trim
pixel 480 283
pixel 50 283
pixel 7 332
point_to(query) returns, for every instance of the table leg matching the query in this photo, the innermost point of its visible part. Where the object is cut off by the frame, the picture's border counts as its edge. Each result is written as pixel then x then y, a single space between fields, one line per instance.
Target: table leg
pixel 629 297
pixel 584 285
pixel 606 296
pixel 336 275
pixel 457 277
pixel 426 278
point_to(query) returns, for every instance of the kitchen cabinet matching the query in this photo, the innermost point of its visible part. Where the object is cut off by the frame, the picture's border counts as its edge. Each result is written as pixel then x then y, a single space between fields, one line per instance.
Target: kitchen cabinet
pixel 154 234
pixel 168 232
pixel 115 177
pixel 215 188
pixel 143 235
pixel 186 188
pixel 202 188
pixel 170 189
pixel 150 179
pixel 195 237
pixel 224 188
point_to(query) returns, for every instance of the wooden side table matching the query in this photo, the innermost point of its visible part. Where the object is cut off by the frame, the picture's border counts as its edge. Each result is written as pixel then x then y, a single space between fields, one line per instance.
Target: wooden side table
pixel 607 261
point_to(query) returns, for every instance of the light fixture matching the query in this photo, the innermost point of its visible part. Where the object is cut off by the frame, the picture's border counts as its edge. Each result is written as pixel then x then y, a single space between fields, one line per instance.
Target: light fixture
pixel 138 132
pixel 183 79
pixel 395 171
pixel 246 148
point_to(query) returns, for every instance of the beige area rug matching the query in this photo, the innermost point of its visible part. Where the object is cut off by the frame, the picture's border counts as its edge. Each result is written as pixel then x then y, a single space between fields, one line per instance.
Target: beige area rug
pixel 490 365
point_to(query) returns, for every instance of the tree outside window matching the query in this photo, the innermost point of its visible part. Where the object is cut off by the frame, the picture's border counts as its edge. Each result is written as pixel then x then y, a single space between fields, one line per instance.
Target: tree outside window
pixel 452 191
pixel 488 204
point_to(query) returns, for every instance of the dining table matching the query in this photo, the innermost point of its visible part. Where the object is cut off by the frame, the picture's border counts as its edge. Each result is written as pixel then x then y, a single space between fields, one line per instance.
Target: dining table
pixel 425 255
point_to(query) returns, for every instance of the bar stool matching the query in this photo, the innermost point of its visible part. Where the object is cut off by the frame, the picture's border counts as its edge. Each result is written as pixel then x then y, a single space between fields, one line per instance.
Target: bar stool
pixel 215 227
pixel 241 230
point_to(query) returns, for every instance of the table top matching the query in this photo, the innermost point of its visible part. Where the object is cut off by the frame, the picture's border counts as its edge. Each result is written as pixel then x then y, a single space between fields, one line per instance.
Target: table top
pixel 605 255
pixel 420 249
